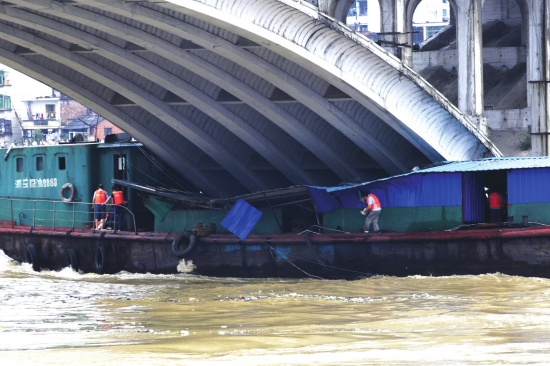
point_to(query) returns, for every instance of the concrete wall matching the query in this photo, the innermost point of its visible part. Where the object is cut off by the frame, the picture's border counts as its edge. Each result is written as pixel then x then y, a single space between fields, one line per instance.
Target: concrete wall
pixel 506 11
pixel 508 119
pixel 495 57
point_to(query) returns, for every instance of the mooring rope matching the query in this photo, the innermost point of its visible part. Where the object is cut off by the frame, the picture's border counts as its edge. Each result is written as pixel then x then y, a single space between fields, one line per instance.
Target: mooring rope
pixel 307 260
pixel 320 227
pixel 298 268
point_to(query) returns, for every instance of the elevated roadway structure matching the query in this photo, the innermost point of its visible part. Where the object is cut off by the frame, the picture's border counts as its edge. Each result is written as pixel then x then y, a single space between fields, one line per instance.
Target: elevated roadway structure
pixel 241 96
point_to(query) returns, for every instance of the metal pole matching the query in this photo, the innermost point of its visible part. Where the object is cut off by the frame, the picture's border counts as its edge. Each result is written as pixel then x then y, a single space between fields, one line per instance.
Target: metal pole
pixel 316 213
pixel 74 205
pixel 273 212
pixel 54 202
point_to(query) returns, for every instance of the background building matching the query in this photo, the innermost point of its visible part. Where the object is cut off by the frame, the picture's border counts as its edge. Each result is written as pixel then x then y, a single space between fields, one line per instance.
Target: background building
pixel 6 111
pixel 91 127
pixel 32 113
pixel 41 119
pixel 429 18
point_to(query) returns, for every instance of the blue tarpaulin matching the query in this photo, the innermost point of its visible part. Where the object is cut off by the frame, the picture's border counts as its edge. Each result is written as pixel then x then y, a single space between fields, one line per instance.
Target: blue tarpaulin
pixel 241 219
pixel 324 201
pixel 418 190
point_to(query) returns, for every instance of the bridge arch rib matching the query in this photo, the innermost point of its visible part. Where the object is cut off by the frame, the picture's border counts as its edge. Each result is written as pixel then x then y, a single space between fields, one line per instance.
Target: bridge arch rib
pixel 268 93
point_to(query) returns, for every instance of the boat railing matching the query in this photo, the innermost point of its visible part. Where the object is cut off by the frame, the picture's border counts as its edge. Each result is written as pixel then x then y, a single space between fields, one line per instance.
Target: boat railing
pixel 55 214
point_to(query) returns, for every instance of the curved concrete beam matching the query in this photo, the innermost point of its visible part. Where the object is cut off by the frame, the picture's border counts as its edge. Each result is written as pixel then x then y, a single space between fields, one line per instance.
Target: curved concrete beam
pixel 198 66
pixel 152 104
pixel 170 155
pixel 275 76
pixel 355 65
pixel 171 82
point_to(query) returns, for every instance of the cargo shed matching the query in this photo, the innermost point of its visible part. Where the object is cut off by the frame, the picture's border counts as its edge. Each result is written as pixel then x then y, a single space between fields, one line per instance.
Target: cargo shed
pixel 444 195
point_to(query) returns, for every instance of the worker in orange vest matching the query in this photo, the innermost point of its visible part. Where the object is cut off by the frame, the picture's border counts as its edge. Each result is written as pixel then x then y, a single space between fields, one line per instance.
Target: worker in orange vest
pixel 117 212
pixel 495 206
pixel 373 210
pixel 99 198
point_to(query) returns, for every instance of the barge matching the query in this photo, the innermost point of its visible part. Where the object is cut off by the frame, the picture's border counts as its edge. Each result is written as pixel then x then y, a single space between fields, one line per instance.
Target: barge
pixel 434 221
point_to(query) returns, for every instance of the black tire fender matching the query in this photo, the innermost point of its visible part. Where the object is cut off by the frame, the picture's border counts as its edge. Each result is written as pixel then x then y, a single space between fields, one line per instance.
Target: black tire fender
pixel 71 187
pixel 100 259
pixel 72 259
pixel 189 238
pixel 31 256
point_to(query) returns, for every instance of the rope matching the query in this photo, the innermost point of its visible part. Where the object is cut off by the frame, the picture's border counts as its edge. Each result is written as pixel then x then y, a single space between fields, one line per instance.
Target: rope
pixel 169 174
pixel 307 260
pixel 295 266
pixel 322 228
pixel 308 241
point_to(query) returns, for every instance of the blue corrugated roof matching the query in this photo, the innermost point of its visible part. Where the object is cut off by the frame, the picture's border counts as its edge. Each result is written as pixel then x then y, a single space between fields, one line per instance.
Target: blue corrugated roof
pixel 442 167
pixel 490 164
pixel 468 166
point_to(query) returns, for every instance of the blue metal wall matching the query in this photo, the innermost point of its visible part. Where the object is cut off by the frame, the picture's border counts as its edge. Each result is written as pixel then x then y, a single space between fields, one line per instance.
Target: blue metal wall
pixel 474 197
pixel 421 190
pixel 529 186
pixel 416 190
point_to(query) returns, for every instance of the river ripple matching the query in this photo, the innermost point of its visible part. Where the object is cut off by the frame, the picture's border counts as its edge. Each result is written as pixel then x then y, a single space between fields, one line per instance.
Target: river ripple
pixel 53 317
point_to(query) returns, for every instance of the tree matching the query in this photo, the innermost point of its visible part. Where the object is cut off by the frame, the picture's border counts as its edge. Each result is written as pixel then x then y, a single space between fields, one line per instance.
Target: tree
pixel 38 135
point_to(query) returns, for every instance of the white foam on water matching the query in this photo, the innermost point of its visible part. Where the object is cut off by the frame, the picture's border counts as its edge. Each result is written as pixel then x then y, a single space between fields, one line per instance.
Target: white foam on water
pixel 186 266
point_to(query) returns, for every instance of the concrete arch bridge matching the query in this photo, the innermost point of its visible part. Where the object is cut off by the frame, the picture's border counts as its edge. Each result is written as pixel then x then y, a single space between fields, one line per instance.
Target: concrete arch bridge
pixel 240 95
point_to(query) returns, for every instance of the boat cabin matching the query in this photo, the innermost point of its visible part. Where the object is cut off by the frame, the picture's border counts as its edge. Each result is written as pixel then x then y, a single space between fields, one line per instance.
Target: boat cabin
pixel 447 195
pixel 53 185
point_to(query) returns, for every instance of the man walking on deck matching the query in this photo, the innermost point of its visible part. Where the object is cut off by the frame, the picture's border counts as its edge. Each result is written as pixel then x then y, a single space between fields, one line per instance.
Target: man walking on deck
pixel 372 211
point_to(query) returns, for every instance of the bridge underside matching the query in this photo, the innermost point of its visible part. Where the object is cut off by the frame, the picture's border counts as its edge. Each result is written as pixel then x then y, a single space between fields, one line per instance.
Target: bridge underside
pixel 240 95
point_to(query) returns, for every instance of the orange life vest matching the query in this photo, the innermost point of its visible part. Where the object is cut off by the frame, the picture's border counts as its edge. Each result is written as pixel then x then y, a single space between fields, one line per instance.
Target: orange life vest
pixel 118 198
pixel 495 201
pixel 376 203
pixel 100 196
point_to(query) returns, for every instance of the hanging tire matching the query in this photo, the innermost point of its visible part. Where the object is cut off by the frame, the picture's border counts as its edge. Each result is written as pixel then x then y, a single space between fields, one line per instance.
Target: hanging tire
pixel 72 260
pixel 31 256
pixel 100 259
pixel 183 244
pixel 72 189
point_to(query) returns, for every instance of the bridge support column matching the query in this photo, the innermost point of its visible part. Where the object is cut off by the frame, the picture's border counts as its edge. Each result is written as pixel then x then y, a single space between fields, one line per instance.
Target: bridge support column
pixel 538 75
pixel 470 61
pixel 393 30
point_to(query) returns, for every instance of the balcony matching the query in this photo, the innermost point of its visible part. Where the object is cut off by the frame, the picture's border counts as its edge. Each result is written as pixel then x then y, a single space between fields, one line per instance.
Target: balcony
pixel 41 123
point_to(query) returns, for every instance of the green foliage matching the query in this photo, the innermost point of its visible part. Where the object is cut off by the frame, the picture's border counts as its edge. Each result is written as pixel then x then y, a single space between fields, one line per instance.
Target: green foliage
pixel 525 142
pixel 38 135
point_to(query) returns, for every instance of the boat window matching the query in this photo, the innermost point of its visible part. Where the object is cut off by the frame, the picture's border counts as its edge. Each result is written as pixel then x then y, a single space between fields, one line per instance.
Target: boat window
pixel 61 162
pixel 39 163
pixel 119 166
pixel 19 164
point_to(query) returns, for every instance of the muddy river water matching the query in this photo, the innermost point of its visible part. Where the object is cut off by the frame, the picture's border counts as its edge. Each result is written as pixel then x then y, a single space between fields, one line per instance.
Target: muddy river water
pixel 52 318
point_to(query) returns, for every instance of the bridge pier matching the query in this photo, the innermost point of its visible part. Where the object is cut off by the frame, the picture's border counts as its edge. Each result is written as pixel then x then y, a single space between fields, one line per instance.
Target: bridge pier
pixel 396 23
pixel 538 75
pixel 470 61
